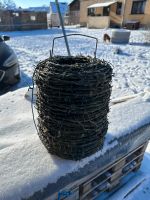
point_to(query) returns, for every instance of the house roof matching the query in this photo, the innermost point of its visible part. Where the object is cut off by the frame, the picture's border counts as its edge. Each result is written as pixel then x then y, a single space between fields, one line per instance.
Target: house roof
pixel 72 2
pixel 97 5
pixel 39 9
pixel 63 7
pixel 24 9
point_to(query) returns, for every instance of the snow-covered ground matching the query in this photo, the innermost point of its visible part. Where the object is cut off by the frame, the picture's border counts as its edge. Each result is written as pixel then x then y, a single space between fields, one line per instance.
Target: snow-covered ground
pixel 131 67
pixel 25 165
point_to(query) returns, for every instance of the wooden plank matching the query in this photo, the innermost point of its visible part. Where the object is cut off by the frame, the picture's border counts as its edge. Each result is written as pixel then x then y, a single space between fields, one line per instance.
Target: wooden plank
pixel 105 179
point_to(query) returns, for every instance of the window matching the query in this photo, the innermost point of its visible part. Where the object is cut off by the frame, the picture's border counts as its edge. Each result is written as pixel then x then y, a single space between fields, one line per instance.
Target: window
pixel 91 12
pixel 16 14
pixel 33 18
pixel 106 11
pixel 138 7
pixel 119 8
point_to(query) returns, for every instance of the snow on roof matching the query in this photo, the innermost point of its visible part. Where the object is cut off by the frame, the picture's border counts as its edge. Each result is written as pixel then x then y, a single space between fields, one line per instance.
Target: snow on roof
pixel 63 7
pixel 98 5
pixel 39 9
pixel 71 2
pixel 31 9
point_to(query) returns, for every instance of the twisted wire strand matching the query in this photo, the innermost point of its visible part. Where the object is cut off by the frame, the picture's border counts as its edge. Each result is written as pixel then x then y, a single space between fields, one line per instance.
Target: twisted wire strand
pixel 73 96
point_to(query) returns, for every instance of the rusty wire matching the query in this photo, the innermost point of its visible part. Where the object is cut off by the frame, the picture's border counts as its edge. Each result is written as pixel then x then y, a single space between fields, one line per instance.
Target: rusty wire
pixel 73 96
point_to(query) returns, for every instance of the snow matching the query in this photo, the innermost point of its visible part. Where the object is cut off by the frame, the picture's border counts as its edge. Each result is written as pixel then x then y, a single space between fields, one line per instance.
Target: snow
pixel 131 65
pixel 126 117
pixel 26 166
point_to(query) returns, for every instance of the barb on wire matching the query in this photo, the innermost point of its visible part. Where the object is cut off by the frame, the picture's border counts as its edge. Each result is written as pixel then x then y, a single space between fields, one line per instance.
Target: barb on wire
pixel 73 96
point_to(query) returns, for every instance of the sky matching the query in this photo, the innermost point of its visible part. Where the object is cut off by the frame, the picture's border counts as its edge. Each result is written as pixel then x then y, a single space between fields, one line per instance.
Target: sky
pixel 34 3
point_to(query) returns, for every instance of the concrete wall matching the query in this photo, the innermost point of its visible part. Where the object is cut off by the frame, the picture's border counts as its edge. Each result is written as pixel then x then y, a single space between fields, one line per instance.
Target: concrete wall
pixel 98 22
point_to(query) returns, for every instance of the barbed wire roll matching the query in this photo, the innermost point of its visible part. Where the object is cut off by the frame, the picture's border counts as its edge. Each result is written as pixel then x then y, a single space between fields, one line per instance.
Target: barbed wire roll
pixel 73 96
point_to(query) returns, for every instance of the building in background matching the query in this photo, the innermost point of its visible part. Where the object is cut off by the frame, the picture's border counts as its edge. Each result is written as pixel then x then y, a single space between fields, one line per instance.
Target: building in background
pixel 114 13
pixel 53 17
pixel 41 9
pixel 6 20
pixel 22 19
pixel 74 12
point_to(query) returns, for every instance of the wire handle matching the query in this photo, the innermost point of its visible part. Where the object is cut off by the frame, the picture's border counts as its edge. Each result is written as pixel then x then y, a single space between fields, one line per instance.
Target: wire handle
pixel 74 34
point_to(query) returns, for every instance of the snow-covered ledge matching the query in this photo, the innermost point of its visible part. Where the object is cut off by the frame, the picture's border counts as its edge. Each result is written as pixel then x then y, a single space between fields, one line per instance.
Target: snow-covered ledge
pixel 26 167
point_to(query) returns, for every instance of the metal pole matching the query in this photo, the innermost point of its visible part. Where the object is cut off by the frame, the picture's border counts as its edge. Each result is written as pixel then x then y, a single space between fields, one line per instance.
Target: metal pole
pixel 63 28
pixel 123 13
